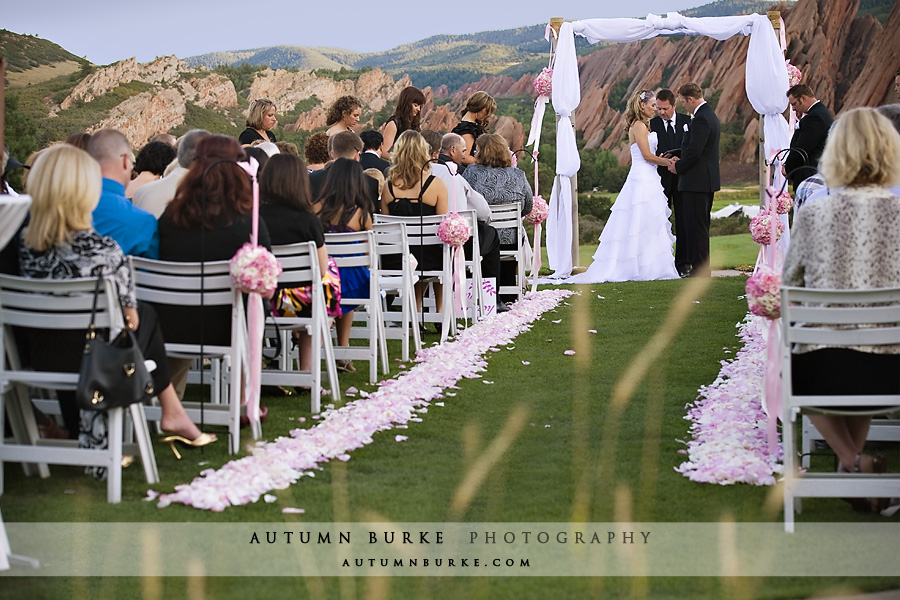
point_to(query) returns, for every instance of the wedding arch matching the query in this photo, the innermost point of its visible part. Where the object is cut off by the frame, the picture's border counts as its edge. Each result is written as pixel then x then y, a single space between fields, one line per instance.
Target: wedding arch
pixel 766 85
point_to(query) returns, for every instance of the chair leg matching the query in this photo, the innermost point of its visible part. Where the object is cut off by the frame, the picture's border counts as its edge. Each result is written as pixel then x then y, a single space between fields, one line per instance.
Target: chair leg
pixel 114 456
pixel 142 433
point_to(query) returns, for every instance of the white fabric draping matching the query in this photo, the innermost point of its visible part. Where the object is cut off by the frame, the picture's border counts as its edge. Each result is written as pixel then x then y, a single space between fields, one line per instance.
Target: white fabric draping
pixel 766 82
pixel 559 254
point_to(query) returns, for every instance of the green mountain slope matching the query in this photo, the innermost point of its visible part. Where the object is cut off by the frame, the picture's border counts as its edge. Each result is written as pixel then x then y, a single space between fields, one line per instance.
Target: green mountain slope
pixel 24 52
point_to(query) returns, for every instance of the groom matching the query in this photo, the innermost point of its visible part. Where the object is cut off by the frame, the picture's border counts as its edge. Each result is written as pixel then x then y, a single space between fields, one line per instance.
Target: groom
pixel 669 128
pixel 698 174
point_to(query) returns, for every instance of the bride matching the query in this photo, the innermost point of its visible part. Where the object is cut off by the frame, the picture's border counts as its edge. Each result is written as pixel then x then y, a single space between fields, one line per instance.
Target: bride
pixel 636 243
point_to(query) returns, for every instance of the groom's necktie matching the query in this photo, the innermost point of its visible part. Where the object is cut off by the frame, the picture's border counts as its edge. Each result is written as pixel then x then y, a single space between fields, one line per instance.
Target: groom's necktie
pixel 670 132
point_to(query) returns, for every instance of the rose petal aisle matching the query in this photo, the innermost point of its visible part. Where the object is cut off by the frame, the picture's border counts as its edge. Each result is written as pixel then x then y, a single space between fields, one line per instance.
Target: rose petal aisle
pixel 396 402
pixel 729 443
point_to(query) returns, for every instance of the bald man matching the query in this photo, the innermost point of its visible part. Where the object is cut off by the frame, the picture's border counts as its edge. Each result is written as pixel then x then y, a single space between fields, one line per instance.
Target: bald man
pixel 133 229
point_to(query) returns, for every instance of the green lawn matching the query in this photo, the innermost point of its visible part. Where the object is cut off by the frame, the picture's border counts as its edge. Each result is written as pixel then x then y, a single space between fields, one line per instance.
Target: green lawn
pixel 726 252
pixel 576 460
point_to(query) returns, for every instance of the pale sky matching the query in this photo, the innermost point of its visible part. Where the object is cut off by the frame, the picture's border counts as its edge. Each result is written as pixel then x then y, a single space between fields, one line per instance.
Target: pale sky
pixel 106 31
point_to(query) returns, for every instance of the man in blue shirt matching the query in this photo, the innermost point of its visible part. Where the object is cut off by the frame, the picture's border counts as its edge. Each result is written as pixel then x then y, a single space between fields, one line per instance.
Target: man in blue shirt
pixel 134 229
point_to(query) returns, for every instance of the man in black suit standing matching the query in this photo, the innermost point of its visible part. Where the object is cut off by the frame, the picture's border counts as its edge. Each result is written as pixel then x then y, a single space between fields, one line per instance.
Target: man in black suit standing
pixel 669 128
pixel 370 158
pixel 808 141
pixel 698 174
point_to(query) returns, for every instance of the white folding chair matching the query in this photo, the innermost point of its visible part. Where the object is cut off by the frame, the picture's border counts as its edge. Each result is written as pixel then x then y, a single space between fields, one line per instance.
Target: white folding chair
pixel 357 249
pixel 423 232
pixel 509 216
pixel 60 305
pixel 809 316
pixel 179 284
pixel 390 240
pixel 300 268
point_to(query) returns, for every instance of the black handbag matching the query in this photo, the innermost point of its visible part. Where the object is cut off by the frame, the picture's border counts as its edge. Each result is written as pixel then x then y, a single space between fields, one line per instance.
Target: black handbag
pixel 112 374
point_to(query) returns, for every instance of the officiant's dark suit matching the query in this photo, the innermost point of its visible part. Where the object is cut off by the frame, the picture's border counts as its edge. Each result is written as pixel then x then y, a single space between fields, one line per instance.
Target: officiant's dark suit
pixel 810 137
pixel 698 181
pixel 669 139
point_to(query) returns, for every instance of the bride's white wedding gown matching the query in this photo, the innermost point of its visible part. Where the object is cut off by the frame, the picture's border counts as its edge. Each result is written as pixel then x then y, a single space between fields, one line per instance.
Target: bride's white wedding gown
pixel 636 243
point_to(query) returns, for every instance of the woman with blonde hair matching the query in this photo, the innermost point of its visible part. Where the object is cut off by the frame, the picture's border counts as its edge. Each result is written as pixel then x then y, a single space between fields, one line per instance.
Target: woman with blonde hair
pixel 410 190
pixel 850 240
pixel 474 119
pixel 343 114
pixel 636 242
pixel 260 120
pixel 60 243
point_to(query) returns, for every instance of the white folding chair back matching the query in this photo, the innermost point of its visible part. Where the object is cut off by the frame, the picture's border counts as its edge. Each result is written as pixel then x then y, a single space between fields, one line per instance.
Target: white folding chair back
pixel 357 249
pixel 60 305
pixel 810 316
pixel 300 268
pixel 390 240
pixel 422 232
pixel 179 284
pixel 509 216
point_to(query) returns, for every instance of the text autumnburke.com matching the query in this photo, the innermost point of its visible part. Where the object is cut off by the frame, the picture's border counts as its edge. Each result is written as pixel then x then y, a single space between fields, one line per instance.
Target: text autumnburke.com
pixel 437 537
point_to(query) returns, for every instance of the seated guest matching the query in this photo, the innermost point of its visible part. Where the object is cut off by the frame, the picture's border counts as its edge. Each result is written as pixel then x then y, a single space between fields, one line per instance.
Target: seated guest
pixel 446 151
pixel 849 241
pixel 410 191
pixel 149 165
pixel 156 195
pixel 344 205
pixel 79 140
pixel 344 144
pixel 316 151
pixel 500 183
pixel 288 148
pixel 289 217
pixel 133 228
pixel 59 243
pixel 370 158
pixel 260 120
pixel 165 138
pixel 208 220
pixel 343 114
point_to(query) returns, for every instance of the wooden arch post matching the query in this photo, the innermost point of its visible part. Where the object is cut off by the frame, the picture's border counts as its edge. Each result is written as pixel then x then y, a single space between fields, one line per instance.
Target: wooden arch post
pixel 555 24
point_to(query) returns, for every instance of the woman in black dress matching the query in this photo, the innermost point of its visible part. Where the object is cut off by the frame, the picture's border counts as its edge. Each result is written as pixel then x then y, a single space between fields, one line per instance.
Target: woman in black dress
pixel 475 118
pixel 260 120
pixel 287 212
pixel 411 190
pixel 407 115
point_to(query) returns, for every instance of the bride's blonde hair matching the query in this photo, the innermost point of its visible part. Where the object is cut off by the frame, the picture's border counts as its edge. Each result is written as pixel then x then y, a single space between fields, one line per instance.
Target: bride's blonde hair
pixel 635 110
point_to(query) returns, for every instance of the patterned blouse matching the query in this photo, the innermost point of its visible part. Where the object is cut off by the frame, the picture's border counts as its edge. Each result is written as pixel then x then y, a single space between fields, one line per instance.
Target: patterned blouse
pixel 848 240
pixel 89 255
pixel 501 185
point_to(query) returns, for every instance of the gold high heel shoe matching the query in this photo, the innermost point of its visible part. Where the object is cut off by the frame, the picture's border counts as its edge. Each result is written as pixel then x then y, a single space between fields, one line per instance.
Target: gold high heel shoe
pixel 203 439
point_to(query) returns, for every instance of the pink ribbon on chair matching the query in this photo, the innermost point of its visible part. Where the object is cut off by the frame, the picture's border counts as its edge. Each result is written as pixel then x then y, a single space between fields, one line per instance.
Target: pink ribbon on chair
pixel 773 339
pixel 536 245
pixel 255 320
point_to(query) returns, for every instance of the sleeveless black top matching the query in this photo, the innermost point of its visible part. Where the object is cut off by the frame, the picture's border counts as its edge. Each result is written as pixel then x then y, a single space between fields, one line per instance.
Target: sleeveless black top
pixel 431 258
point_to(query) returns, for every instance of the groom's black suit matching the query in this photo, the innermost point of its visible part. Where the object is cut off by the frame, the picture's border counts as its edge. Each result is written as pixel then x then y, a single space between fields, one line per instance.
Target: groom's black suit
pixel 810 137
pixel 698 181
pixel 669 182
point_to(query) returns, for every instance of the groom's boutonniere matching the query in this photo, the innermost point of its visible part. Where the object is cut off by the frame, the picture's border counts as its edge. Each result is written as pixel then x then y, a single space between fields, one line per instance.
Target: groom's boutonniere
pixel 686 127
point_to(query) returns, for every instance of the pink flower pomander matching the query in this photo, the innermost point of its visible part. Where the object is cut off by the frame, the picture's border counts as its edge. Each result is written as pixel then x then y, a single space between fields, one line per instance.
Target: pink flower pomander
pixel 255 269
pixel 794 73
pixel 539 211
pixel 543 83
pixel 783 203
pixel 764 293
pixel 761 228
pixel 454 229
